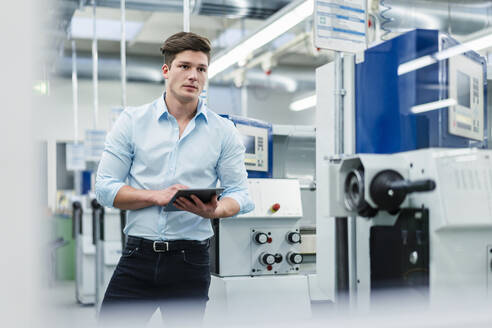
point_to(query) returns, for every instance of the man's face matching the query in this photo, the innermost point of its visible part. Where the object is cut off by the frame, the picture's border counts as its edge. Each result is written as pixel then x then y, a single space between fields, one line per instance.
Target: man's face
pixel 186 76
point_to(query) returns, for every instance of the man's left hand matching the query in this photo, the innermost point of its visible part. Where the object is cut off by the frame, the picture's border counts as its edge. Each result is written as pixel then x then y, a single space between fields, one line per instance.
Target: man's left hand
pixel 206 210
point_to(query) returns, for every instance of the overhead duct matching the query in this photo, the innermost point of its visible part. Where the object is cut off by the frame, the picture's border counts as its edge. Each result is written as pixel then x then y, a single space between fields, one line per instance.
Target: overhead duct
pixel 455 17
pixel 147 69
pixel 258 9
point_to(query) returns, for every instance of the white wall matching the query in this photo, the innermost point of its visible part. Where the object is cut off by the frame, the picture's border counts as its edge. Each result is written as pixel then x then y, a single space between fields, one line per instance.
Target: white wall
pixel 273 106
pixel 55 120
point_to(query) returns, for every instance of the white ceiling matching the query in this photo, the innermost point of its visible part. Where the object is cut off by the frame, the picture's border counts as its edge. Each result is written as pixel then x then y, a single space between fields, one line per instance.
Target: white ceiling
pixel 157 27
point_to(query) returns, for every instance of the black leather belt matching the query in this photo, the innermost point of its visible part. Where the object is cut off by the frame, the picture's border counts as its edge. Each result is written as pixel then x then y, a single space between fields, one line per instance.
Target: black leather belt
pixel 160 246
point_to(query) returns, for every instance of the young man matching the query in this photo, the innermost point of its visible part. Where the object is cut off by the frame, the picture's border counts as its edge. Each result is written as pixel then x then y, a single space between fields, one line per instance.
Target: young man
pixel 172 143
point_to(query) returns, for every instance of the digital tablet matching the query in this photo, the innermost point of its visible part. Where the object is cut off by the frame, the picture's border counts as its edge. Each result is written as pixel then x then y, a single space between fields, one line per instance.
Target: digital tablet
pixel 204 194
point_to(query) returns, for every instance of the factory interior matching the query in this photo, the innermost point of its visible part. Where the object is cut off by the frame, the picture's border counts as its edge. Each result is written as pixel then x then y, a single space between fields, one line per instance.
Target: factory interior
pixel 361 178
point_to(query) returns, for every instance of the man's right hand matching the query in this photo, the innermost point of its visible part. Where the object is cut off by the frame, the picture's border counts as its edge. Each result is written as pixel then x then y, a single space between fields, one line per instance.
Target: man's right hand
pixel 164 196
pixel 129 198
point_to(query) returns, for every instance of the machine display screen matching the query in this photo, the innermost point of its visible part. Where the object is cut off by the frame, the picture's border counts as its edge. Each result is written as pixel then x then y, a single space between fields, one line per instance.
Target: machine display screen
pixel 463 87
pixel 249 143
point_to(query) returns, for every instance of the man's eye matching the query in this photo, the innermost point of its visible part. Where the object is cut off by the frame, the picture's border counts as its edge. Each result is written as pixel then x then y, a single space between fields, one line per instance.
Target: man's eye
pixel 202 69
pixel 184 66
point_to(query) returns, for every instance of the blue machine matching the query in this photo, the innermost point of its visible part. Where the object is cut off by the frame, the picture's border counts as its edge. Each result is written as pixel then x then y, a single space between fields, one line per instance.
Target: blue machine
pixel 384 120
pixel 258 139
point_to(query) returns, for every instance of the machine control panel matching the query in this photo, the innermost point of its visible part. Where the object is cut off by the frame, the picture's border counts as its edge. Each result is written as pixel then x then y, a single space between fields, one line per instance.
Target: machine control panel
pixel 466 118
pixel 277 255
pixel 255 141
pixel 257 243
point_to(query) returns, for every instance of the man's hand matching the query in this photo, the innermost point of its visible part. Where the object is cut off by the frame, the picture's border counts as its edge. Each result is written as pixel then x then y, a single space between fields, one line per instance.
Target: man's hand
pixel 164 196
pixel 206 210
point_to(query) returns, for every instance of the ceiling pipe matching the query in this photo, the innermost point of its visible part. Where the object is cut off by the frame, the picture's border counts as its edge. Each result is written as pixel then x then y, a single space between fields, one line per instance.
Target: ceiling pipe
pixel 258 9
pixel 147 69
pixel 453 17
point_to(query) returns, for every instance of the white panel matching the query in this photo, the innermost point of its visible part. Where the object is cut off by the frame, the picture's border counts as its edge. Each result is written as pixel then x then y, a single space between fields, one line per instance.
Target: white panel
pixel 340 25
pixel 267 192
pixel 325 148
pixel 258 299
pixel 465 186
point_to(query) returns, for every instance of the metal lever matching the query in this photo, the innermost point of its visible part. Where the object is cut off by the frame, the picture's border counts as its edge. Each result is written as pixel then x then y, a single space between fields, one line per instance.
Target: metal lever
pixel 389 189
pixel 413 186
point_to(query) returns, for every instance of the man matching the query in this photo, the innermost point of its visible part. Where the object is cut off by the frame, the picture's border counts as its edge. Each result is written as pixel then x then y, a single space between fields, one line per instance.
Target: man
pixel 172 143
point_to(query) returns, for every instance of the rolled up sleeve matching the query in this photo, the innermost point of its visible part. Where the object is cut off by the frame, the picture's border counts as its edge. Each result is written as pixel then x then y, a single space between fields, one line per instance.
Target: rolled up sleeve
pixel 116 160
pixel 232 172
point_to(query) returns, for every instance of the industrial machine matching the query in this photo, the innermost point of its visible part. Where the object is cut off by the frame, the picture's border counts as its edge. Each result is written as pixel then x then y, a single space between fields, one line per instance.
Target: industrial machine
pixel 108 227
pixel 256 257
pixel 424 222
pixel 98 238
pixel 403 189
pixel 388 112
pixel 84 250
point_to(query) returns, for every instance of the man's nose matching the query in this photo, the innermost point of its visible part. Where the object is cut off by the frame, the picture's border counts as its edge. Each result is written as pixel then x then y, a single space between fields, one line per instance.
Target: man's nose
pixel 193 75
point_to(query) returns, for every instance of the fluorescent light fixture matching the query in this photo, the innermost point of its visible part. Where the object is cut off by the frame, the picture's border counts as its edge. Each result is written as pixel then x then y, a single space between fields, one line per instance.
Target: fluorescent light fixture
pixel 432 106
pixel 106 29
pixel 278 24
pixel 477 44
pixel 303 103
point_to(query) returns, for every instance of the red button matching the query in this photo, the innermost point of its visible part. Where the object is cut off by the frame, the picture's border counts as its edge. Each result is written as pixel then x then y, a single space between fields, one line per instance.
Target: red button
pixel 269 240
pixel 269 268
pixel 275 207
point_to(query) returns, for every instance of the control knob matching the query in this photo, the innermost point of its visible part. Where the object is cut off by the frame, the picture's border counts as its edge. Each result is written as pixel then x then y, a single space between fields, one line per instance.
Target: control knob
pixel 294 237
pixel 294 258
pixel 260 237
pixel 267 259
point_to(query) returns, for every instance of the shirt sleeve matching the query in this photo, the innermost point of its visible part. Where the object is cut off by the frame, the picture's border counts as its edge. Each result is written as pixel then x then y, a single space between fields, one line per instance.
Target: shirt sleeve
pixel 116 160
pixel 232 172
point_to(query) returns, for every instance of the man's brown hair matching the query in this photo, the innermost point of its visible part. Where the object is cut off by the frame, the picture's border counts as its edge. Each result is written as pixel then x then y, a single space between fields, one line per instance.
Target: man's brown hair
pixel 183 41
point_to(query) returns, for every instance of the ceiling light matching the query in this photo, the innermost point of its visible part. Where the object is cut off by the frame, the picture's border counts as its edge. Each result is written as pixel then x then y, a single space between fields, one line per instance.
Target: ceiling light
pixel 106 29
pixel 432 106
pixel 303 103
pixel 278 24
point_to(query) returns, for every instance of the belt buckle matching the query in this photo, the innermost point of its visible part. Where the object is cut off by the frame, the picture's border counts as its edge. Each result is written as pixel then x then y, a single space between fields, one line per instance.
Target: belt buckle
pixel 159 250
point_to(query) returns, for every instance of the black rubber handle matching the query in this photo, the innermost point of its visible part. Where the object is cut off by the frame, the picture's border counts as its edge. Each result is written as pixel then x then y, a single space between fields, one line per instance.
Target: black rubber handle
pixel 413 186
pixel 122 225
pixel 76 212
pixel 95 211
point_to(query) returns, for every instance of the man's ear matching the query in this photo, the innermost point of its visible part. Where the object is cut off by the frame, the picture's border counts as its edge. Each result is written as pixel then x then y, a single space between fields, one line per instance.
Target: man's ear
pixel 165 71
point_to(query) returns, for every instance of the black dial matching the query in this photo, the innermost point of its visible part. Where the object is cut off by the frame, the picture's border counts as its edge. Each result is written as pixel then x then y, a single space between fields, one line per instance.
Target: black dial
pixel 278 258
pixel 294 258
pixel 261 237
pixel 294 237
pixel 267 259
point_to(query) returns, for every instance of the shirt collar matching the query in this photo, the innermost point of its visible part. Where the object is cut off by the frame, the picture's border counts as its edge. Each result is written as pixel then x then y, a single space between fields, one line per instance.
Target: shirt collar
pixel 162 110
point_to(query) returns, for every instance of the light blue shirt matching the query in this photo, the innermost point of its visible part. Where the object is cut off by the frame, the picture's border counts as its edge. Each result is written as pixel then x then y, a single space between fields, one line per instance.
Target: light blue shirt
pixel 144 147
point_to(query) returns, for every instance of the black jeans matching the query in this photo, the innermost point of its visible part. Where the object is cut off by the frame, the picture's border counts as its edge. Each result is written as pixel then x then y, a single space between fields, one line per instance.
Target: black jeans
pixel 176 281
